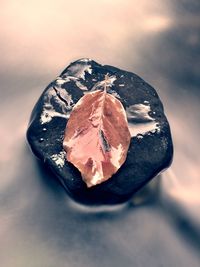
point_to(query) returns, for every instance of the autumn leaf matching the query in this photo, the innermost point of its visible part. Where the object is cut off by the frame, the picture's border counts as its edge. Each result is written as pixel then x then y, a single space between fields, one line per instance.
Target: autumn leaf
pixel 97 137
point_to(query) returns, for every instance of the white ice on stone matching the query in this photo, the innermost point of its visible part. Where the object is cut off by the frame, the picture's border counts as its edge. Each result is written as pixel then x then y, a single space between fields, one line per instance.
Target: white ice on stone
pixel 81 86
pixel 139 111
pixel 111 80
pixel 85 60
pixel 60 81
pixel 49 111
pixel 59 159
pixel 143 128
pixel 65 79
pixel 78 70
pixel 67 97
pixel 47 115
pixel 139 120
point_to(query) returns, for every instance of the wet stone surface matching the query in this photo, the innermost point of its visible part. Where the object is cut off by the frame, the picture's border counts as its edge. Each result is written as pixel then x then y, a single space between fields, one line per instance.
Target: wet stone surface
pixel 151 148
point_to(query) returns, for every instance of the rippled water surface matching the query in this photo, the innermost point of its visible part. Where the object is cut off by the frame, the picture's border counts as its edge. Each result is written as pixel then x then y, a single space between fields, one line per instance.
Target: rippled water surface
pixel 39 225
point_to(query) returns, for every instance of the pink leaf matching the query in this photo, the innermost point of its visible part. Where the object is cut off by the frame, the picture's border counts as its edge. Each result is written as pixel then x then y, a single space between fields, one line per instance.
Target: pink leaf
pixel 97 137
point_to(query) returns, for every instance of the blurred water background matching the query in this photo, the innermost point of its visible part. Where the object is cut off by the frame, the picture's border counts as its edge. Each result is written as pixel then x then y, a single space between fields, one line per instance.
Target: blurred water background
pixel 39 225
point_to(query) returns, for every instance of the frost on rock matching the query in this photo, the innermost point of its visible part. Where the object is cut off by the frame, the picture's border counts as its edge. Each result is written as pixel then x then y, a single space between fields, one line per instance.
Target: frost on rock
pixel 56 99
pixel 79 70
pixel 76 73
pixel 140 122
pixel 59 159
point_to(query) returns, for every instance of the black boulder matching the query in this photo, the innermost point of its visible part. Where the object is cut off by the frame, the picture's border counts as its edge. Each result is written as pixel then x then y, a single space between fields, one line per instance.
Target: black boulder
pixel 151 147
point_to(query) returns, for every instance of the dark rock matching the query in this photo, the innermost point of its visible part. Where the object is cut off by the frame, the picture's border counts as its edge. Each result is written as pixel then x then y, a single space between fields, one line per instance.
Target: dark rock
pixel 151 148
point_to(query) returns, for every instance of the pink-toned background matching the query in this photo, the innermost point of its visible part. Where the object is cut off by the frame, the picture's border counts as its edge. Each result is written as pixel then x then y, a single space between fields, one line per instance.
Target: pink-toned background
pixel 158 40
